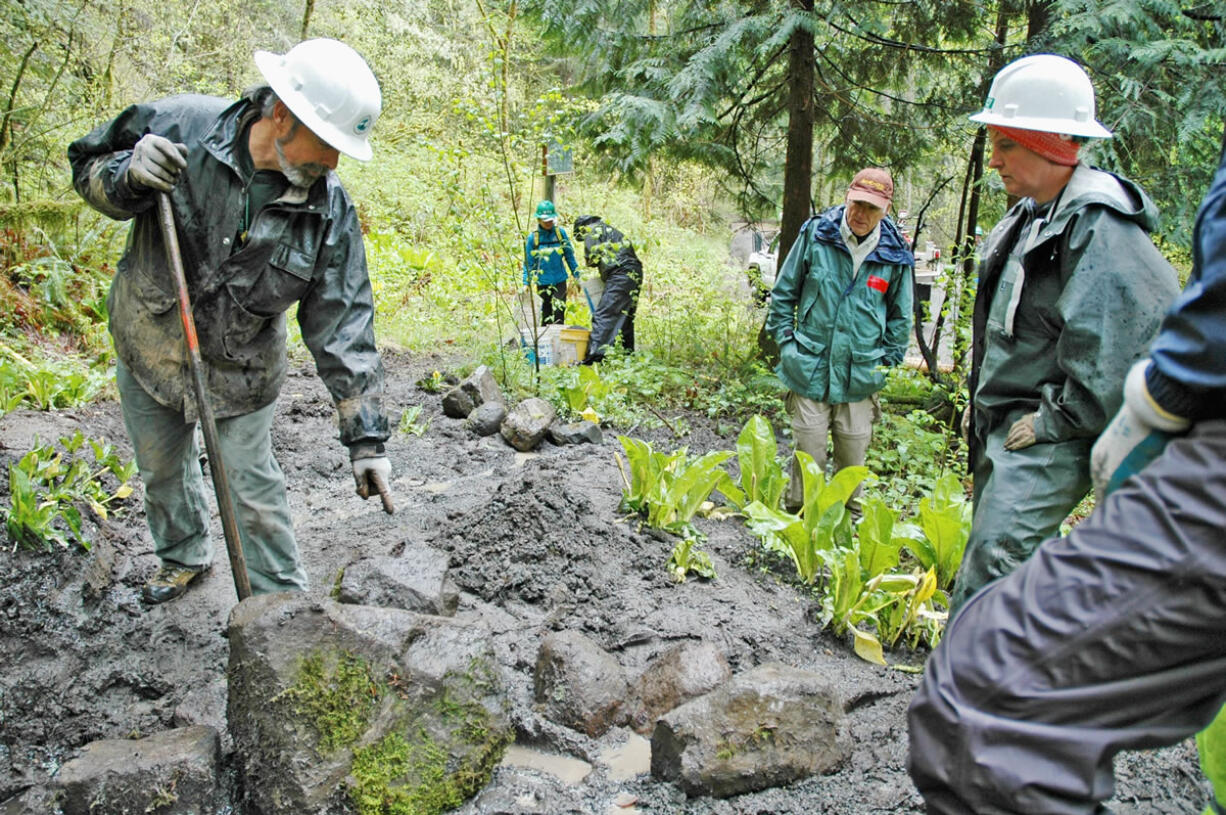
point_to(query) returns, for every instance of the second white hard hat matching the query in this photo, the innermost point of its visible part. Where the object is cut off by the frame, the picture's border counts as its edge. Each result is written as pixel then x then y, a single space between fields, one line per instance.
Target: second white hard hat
pixel 1043 92
pixel 331 90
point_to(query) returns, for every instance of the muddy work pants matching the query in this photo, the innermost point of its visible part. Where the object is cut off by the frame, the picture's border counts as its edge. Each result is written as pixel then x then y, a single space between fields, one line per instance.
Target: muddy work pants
pixel 1111 639
pixel 614 314
pixel 850 424
pixel 1021 498
pixel 176 504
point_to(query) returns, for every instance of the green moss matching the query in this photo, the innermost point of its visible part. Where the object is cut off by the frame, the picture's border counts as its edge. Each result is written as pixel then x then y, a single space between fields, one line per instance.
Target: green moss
pixel 408 772
pixel 399 776
pixel 337 694
pixel 762 737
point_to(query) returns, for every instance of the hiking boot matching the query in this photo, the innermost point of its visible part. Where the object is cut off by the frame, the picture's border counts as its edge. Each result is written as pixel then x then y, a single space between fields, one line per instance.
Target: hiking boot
pixel 170 581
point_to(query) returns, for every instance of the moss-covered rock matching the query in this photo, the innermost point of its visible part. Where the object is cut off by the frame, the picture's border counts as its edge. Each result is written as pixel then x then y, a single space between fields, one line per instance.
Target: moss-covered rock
pixel 353 708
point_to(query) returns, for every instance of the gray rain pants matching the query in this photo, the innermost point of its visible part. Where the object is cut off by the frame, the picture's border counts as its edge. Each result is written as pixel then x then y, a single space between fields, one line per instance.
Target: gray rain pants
pixel 1111 639
pixel 1021 498
pixel 176 504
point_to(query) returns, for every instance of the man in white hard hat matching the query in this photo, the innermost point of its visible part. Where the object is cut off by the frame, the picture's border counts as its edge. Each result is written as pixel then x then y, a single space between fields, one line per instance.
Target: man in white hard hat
pixel 263 224
pixel 1071 291
pixel 1109 639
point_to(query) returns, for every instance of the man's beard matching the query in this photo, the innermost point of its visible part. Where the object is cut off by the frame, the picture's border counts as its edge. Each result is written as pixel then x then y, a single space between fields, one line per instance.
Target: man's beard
pixel 300 175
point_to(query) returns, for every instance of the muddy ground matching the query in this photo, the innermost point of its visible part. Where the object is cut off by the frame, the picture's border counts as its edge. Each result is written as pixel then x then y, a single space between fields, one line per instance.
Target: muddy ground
pixel 536 543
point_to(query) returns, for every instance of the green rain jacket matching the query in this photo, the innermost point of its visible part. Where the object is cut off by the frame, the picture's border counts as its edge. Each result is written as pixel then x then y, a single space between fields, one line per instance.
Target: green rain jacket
pixel 303 248
pixel 1093 292
pixel 835 332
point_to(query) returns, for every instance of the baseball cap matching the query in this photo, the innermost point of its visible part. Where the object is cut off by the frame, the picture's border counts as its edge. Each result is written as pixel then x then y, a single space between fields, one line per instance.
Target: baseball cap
pixel 873 186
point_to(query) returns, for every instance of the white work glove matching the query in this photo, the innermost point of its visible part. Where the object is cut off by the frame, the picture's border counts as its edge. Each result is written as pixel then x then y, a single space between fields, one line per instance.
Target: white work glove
pixel 156 163
pixel 1135 437
pixel 1021 433
pixel 371 474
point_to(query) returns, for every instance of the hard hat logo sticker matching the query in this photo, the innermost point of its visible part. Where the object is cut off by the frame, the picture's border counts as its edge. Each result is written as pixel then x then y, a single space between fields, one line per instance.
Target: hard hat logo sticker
pixel 362 125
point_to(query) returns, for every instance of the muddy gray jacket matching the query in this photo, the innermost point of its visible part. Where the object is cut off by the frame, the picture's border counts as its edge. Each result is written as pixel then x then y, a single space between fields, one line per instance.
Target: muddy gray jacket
pixel 303 248
pixel 1091 297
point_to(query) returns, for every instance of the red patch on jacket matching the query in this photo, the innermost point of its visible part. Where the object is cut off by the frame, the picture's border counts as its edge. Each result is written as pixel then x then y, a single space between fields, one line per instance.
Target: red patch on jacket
pixel 877 283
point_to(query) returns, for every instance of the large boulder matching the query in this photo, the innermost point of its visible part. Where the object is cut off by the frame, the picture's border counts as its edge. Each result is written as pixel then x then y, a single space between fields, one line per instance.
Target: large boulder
pixel 334 706
pixel 171 773
pixel 527 424
pixel 478 389
pixel 415 581
pixel 764 728
pixel 578 685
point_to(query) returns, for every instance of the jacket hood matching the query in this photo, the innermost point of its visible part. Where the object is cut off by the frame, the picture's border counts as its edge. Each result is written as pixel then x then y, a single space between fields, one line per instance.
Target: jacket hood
pixel 1090 186
pixel 891 246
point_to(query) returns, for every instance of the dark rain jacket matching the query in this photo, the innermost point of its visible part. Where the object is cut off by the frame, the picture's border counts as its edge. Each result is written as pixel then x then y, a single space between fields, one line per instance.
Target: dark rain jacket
pixel 607 249
pixel 304 248
pixel 1188 377
pixel 835 331
pixel 1094 290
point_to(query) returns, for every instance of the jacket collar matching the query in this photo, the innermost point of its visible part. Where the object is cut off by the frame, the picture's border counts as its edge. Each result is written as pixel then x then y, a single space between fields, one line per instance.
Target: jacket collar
pixel 222 142
pixel 891 247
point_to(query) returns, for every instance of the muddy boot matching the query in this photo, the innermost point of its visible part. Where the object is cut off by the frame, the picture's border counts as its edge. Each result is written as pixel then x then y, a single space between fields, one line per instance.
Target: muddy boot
pixel 170 581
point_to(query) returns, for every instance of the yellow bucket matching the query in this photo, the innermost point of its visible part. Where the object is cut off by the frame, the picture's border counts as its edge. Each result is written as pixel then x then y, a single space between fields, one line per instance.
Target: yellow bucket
pixel 572 345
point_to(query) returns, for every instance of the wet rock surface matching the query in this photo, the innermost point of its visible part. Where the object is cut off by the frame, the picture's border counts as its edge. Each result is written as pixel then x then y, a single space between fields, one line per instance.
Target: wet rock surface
pixel 535 544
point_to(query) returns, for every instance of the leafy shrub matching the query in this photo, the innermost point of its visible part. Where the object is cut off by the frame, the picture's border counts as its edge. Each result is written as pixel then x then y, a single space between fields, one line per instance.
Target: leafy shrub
pixel 668 489
pixel 47 489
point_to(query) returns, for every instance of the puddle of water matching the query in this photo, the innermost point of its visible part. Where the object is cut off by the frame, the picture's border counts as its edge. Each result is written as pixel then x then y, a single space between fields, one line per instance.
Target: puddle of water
pixel 628 760
pixel 566 769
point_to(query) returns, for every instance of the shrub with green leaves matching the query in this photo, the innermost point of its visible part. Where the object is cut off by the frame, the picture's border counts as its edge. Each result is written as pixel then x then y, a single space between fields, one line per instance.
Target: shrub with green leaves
pixel 667 490
pixel 822 524
pixel 762 479
pixel 944 527
pixel 48 489
pixel 686 557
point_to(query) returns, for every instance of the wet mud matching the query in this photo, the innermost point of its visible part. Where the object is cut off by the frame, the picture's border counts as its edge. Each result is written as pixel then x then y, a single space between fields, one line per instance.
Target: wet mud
pixel 536 543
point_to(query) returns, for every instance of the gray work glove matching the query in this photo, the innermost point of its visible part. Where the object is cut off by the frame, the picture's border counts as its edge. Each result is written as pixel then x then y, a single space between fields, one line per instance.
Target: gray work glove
pixel 1021 434
pixel 371 474
pixel 156 163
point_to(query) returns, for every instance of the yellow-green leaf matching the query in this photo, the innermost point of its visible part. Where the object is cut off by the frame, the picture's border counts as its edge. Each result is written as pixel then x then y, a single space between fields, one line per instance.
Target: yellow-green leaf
pixel 868 648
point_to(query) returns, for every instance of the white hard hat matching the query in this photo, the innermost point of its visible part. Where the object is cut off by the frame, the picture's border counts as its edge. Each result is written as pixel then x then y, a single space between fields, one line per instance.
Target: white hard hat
pixel 331 90
pixel 1043 92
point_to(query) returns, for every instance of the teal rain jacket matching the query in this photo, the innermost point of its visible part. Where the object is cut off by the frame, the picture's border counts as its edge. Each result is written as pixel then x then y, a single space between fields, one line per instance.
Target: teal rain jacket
pixel 548 253
pixel 835 333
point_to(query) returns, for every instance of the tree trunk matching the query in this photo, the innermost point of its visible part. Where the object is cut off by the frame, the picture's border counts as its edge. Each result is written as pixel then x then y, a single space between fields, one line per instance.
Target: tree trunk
pixel 306 18
pixel 798 162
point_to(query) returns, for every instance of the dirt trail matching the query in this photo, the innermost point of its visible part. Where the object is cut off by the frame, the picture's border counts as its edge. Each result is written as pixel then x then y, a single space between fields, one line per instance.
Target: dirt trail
pixel 536 543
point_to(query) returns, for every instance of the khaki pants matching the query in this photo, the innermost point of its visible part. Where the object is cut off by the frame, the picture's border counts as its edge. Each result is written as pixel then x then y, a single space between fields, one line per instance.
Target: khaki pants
pixel 851 425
